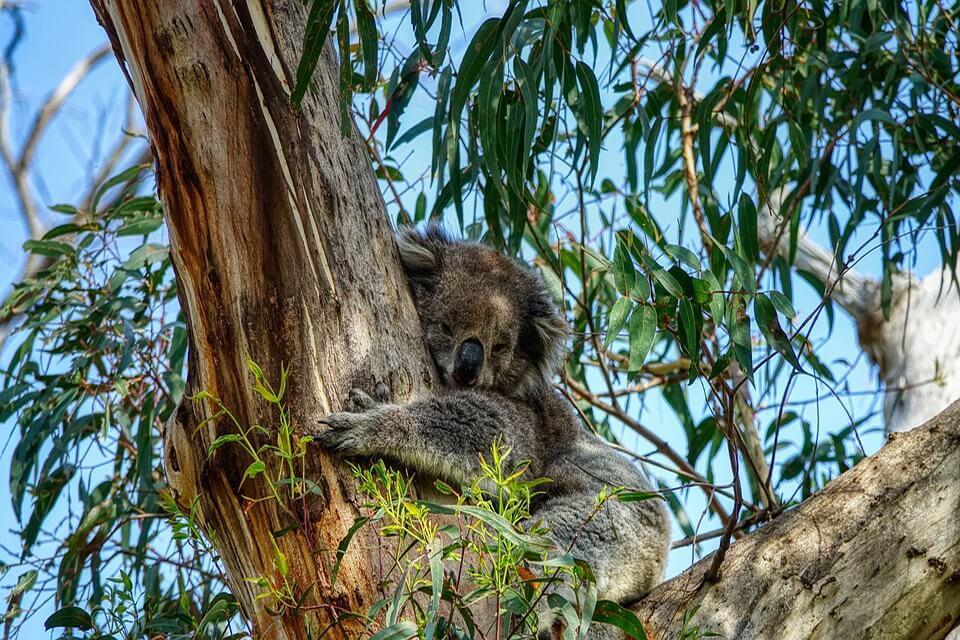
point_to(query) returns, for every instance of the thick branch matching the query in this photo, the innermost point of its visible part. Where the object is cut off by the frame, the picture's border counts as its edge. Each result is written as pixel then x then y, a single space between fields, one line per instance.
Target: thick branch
pixel 876 554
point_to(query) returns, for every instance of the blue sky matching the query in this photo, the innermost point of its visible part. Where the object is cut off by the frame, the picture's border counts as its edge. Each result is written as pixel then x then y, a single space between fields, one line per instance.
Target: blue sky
pixel 60 32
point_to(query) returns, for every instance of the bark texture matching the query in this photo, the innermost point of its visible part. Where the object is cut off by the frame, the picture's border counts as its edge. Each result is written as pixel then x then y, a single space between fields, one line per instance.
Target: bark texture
pixel 283 253
pixel 876 554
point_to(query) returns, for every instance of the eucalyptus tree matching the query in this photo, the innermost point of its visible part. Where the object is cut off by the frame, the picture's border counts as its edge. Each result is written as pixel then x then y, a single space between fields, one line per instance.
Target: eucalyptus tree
pixel 626 150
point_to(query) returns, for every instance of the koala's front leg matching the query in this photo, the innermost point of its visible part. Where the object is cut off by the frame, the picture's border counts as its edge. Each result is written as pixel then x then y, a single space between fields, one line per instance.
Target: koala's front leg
pixel 358 431
pixel 442 435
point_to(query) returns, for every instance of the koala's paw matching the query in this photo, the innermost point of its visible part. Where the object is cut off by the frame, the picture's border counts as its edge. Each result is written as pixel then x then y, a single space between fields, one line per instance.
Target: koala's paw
pixel 359 402
pixel 347 434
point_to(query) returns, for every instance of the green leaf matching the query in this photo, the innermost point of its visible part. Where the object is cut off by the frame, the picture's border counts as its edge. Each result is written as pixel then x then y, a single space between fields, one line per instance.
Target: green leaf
pixel 497 522
pixel 618 318
pixel 222 440
pixel 424 125
pixel 487 106
pixel 140 227
pixel 638 496
pixel 369 41
pixel 592 113
pixel 690 329
pixel 435 551
pixel 643 326
pixel 346 69
pixel 402 630
pixel 344 543
pixel 783 304
pixel 314 37
pixel 474 61
pixel 253 470
pixel 743 271
pixel 49 248
pixel 872 114
pixel 67 209
pixel 665 280
pixel 67 229
pixel 403 84
pixel 770 328
pixel 437 159
pixel 69 617
pixel 609 612
pixel 146 254
pixel 624 274
pixel 683 255
pixel 129 175
pixel 739 328
pixel 622 17
pixel 717 301
pixel 747 229
pixel 24 583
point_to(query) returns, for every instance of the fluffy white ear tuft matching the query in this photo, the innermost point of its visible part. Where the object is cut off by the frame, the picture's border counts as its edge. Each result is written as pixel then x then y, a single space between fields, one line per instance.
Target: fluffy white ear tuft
pixel 552 330
pixel 417 252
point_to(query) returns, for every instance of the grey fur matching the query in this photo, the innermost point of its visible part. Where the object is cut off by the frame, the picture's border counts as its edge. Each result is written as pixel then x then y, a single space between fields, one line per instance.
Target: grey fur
pixel 468 291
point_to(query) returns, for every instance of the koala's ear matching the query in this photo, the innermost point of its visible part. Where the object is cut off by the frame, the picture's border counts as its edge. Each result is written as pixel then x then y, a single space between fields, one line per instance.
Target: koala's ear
pixel 552 332
pixel 420 252
pixel 545 334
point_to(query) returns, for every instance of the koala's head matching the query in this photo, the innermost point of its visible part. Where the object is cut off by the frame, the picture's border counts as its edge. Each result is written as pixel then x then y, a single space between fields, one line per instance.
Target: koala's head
pixel 489 321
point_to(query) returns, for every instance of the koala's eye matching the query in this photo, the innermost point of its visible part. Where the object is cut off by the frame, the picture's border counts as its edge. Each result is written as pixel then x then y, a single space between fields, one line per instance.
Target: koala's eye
pixel 501 347
pixel 445 328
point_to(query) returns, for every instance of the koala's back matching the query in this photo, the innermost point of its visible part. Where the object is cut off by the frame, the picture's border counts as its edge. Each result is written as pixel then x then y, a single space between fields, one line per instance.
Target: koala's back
pixel 626 542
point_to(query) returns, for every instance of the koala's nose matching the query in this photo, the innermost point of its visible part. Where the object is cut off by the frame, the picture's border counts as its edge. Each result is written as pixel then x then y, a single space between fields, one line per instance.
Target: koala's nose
pixel 468 362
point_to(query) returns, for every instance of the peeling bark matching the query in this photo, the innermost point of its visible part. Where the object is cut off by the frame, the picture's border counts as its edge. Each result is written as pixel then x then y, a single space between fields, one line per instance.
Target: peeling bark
pixel 283 253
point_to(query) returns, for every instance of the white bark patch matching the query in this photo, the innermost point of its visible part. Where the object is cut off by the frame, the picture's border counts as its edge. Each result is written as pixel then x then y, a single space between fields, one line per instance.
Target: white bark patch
pixel 226 27
pixel 265 37
pixel 133 69
pixel 324 265
pixel 918 350
pixel 318 383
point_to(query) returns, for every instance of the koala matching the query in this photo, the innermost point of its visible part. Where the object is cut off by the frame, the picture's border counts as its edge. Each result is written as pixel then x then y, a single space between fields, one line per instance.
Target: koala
pixel 497 340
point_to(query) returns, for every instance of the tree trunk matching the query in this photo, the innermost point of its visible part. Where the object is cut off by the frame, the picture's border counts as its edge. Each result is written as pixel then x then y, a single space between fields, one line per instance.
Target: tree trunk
pixel 916 349
pixel 283 253
pixel 876 554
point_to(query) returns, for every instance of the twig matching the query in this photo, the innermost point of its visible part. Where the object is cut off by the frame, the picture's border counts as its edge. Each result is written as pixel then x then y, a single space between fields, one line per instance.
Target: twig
pixel 713 573
pixel 688 132
pixel 658 443
pixel 716 533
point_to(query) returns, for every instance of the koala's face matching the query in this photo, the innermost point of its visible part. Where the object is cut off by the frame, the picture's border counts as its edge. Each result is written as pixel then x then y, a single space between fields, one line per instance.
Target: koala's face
pixel 489 322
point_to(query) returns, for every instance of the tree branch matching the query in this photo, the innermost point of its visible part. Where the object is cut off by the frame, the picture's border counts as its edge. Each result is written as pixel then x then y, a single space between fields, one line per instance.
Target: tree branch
pixel 887 528
pixel 55 101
